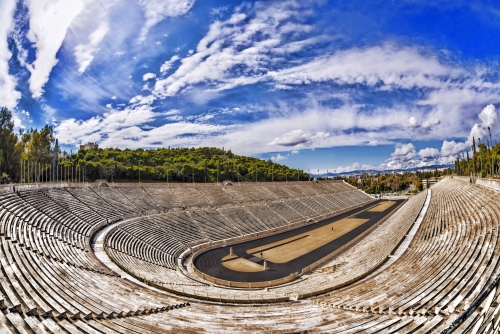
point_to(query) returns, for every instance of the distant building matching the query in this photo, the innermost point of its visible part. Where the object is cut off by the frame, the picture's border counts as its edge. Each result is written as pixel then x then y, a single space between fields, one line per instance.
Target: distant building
pixel 62 155
pixel 89 146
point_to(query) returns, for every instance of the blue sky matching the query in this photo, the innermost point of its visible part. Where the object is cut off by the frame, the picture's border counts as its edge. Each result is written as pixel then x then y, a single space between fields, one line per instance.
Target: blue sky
pixel 311 84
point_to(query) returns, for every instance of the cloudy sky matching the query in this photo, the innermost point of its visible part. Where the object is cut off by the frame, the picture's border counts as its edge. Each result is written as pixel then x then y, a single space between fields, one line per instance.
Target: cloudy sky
pixel 311 84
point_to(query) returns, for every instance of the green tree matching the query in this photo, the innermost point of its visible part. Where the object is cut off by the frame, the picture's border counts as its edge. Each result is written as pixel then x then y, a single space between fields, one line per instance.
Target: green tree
pixel 9 148
pixel 37 153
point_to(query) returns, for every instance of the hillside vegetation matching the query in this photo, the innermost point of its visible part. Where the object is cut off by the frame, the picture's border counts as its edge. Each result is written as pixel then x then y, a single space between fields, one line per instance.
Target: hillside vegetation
pixel 204 164
pixel 34 156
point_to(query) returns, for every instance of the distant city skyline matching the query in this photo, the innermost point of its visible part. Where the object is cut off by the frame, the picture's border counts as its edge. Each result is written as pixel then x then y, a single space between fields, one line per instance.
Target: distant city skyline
pixel 310 84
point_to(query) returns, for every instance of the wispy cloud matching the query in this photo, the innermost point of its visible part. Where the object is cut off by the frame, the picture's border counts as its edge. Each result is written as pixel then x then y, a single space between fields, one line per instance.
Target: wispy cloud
pixel 278 157
pixel 148 76
pixel 129 128
pixel 49 21
pixel 250 42
pixel 84 53
pixel 157 10
pixel 8 93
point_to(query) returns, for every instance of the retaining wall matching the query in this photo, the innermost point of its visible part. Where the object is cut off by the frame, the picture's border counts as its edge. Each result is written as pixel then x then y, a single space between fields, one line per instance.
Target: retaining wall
pixel 489 183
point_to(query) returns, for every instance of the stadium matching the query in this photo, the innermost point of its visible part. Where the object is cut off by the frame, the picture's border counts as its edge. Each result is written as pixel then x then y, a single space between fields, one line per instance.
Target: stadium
pixel 248 257
pixel 249 166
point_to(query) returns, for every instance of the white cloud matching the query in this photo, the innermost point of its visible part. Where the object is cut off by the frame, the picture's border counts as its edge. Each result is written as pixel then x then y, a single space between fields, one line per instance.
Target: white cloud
pixel 219 10
pixel 404 155
pixel 168 64
pixel 50 114
pixel 21 118
pixel 452 148
pixel 354 166
pixel 49 21
pixel 84 53
pixel 410 123
pixel 278 157
pixel 488 115
pixel 403 152
pixel 129 128
pixel 295 152
pixel 233 44
pixel 157 10
pixel 135 99
pixel 298 137
pixel 148 76
pixel 17 121
pixel 430 123
pixel 283 87
pixel 429 152
pixel 320 127
pixel 113 97
pixel 292 138
pixel 8 93
pixel 320 135
pixel 387 65
pixel 417 128
pixel 248 41
pixel 171 112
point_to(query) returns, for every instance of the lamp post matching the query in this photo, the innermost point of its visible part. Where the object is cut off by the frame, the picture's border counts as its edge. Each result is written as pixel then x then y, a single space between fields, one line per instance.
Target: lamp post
pixel 480 156
pixel 491 150
pixel 140 170
pixel 168 167
pixel 205 170
pixel 473 164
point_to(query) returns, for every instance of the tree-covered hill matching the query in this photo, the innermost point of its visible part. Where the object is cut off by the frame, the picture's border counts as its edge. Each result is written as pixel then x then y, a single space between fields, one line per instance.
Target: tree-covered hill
pixel 34 156
pixel 204 164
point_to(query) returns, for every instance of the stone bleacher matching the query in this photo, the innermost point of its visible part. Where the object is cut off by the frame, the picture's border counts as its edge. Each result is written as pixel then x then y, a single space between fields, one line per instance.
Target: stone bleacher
pixel 48 284
pixel 437 276
pixel 51 281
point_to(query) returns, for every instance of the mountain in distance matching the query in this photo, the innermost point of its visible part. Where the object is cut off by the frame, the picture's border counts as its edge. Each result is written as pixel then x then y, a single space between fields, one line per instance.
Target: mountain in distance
pixel 376 171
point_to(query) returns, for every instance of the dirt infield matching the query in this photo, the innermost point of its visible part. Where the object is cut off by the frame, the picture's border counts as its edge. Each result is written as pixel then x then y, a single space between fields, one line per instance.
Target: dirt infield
pixel 290 251
pixel 306 242
pixel 382 206
pixel 236 263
